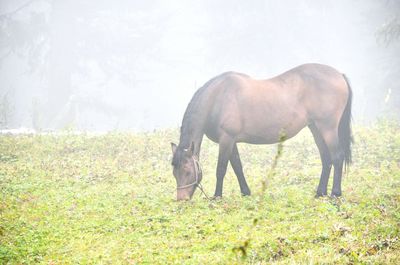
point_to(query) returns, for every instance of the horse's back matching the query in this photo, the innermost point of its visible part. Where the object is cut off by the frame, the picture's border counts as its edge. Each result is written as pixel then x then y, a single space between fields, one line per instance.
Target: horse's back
pixel 258 110
pixel 325 90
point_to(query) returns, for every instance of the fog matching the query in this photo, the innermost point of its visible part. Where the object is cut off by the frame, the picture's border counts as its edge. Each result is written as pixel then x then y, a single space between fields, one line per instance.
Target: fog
pixel 134 65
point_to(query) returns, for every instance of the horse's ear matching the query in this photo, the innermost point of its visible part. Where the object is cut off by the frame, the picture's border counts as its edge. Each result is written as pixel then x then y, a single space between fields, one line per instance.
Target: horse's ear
pixel 174 147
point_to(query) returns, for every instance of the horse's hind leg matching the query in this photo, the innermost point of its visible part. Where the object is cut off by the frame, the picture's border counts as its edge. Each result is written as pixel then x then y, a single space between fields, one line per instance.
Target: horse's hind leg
pixel 330 137
pixel 238 169
pixel 337 156
pixel 337 178
pixel 325 159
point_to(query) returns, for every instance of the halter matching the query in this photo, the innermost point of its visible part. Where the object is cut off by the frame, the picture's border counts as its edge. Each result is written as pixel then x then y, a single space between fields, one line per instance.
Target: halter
pixel 197 172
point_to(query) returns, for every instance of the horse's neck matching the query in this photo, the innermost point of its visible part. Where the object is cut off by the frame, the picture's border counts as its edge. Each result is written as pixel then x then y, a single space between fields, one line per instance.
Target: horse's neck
pixel 194 120
pixel 191 133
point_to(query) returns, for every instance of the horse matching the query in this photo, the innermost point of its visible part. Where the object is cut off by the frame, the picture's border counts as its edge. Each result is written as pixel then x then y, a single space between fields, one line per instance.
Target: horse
pixel 234 108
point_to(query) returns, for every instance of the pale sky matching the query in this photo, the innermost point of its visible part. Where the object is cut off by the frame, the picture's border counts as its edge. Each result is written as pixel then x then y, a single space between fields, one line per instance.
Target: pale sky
pixel 135 65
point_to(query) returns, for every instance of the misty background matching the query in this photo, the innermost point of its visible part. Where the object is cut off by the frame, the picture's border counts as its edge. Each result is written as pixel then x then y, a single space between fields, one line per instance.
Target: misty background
pixel 134 65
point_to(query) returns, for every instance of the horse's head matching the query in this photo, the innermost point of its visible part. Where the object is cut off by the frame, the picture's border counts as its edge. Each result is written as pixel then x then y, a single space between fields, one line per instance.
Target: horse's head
pixel 186 170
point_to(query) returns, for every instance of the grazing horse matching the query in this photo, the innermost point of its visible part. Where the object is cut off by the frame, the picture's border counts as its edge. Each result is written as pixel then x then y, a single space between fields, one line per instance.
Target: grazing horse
pixel 233 108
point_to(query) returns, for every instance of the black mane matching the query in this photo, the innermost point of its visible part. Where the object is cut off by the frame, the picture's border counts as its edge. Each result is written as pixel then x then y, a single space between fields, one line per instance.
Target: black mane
pixel 177 158
pixel 191 112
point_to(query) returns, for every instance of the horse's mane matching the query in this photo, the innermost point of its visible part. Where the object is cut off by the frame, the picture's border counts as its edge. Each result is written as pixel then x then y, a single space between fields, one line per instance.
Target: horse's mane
pixel 186 128
pixel 192 110
pixel 191 116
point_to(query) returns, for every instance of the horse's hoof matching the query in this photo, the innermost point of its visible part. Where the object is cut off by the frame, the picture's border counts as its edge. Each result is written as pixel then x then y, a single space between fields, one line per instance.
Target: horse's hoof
pixel 336 194
pixel 246 193
pixel 216 197
pixel 320 194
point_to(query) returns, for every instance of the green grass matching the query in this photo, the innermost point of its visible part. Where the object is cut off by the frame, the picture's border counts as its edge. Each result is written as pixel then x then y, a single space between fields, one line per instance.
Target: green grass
pixel 81 199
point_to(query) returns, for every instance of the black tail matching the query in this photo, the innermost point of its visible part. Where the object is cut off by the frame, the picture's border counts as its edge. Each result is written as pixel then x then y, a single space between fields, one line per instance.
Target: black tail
pixel 345 134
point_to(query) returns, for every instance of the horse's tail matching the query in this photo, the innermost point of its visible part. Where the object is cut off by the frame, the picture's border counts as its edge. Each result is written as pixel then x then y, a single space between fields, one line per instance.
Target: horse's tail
pixel 345 133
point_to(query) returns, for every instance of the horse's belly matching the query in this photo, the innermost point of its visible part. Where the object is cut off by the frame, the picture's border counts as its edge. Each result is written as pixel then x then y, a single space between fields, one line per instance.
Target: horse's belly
pixel 267 132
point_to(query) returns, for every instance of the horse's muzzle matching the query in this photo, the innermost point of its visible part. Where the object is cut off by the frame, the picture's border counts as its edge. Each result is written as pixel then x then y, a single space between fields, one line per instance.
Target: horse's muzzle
pixel 184 194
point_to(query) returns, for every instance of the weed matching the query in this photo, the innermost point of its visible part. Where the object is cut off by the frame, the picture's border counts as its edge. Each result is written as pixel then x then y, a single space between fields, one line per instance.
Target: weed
pixel 70 199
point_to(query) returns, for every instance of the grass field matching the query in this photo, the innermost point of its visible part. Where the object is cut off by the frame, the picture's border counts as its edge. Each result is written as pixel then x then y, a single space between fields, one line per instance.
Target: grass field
pixel 109 199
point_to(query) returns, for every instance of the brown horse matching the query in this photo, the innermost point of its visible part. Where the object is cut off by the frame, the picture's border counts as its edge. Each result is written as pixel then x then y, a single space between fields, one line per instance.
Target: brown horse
pixel 233 108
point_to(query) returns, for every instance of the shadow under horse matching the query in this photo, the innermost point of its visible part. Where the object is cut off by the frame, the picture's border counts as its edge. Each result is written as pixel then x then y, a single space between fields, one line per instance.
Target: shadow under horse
pixel 233 108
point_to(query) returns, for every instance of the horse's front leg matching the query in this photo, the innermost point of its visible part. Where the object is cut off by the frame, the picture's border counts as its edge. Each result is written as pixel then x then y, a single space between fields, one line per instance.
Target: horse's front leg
pixel 226 144
pixel 238 169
